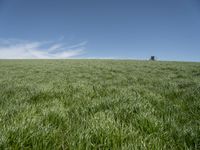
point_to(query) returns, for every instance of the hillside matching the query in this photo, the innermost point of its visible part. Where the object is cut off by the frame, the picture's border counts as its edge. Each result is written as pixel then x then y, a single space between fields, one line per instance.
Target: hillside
pixel 99 104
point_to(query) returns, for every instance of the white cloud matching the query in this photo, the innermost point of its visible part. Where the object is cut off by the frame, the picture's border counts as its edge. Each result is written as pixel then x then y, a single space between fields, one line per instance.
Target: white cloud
pixel 77 45
pixel 19 49
pixel 55 47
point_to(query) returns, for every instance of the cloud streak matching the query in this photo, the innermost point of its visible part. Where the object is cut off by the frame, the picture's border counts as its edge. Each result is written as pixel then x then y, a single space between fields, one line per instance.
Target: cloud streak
pixel 19 49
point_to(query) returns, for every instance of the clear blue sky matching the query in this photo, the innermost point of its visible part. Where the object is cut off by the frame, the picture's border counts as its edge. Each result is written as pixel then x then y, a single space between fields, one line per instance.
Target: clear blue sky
pixel 168 29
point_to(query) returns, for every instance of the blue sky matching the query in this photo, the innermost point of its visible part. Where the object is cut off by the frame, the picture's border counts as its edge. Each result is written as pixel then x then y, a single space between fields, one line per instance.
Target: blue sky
pixel 136 29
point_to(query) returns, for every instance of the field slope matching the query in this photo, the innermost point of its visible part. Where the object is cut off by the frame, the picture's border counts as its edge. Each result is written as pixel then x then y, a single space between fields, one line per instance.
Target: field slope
pixel 99 104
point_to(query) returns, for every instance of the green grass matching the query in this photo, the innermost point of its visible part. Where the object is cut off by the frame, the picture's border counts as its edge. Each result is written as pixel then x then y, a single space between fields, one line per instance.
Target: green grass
pixel 99 104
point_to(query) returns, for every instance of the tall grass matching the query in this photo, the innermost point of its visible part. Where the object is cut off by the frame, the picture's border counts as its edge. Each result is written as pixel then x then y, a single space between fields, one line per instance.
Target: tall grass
pixel 99 104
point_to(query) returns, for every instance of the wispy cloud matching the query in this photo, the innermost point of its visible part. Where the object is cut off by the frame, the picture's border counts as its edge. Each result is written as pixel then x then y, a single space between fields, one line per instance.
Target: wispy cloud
pixel 19 49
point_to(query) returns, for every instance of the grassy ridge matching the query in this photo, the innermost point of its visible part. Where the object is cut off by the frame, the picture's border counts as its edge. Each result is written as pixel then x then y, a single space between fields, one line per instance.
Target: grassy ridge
pixel 99 104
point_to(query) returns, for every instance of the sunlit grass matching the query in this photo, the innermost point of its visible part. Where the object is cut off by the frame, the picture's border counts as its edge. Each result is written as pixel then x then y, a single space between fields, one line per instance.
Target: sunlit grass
pixel 99 104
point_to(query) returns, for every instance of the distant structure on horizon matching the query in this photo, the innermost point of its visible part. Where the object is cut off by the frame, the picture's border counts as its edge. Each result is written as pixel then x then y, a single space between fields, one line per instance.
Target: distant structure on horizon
pixel 152 58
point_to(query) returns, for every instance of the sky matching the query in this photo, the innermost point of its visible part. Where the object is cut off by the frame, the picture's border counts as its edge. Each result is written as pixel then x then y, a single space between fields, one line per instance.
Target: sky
pixel 110 29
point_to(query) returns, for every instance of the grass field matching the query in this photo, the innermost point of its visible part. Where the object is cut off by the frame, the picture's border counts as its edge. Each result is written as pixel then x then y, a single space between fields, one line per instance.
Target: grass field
pixel 99 104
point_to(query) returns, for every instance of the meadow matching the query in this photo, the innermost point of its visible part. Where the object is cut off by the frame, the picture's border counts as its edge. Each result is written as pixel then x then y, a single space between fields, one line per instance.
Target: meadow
pixel 99 104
